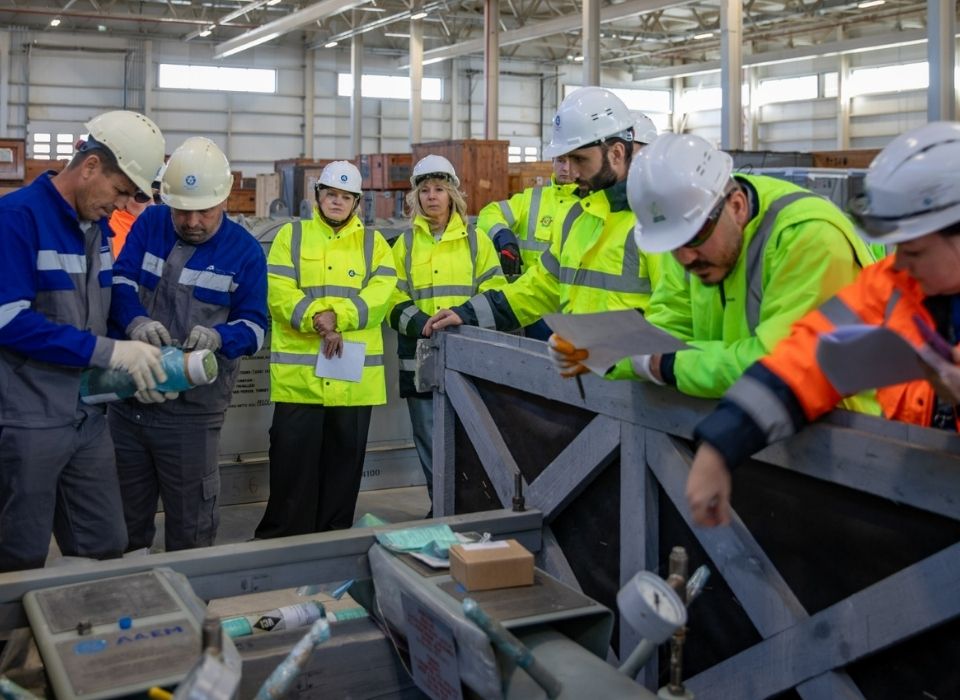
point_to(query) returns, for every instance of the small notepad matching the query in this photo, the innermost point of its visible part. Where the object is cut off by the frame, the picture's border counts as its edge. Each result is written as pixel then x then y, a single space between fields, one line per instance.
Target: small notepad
pixel 348 367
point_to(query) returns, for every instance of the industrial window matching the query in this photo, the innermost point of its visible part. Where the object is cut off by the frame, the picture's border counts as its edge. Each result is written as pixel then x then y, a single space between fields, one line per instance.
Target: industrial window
pixel 702 99
pixel 895 78
pixel 804 87
pixel 46 146
pixel 181 77
pixel 389 87
pixel 831 84
pixel 523 154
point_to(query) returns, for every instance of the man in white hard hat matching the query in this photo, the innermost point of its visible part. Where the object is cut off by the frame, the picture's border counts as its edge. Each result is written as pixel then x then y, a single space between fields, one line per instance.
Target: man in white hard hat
pixel 593 262
pixel 57 472
pixel 330 282
pixel 912 200
pixel 750 254
pixel 187 276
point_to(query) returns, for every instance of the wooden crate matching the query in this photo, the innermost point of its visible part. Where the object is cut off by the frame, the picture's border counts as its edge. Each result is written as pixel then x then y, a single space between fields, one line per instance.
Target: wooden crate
pixel 526 175
pixel 267 190
pixel 364 163
pixel 13 153
pixel 480 165
pixel 391 171
pixel 242 202
pixel 382 204
pixel 857 158
pixel 309 178
pixel 36 166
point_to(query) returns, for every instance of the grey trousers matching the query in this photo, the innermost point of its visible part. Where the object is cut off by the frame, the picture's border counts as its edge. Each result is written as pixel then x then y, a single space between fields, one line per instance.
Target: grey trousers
pixel 421 419
pixel 177 462
pixel 59 481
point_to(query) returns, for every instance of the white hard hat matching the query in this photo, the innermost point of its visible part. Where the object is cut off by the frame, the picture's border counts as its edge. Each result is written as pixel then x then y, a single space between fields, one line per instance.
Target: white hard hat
pixel 341 175
pixel 134 140
pixel 912 186
pixel 644 130
pixel 433 166
pixel 673 185
pixel 586 116
pixel 197 176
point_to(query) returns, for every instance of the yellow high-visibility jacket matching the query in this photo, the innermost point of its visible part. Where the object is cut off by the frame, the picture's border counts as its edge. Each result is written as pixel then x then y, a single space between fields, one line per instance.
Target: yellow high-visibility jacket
pixel 312 268
pixel 527 216
pixel 436 274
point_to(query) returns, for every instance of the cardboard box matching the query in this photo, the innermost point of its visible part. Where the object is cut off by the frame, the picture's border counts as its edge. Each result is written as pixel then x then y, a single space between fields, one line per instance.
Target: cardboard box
pixel 501 564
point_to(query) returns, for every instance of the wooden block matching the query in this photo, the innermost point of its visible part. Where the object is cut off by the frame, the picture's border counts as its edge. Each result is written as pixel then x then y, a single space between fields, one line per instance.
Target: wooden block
pixel 237 177
pixel 13 153
pixel 857 158
pixel 267 190
pixel 242 202
pixel 36 166
pixel 481 166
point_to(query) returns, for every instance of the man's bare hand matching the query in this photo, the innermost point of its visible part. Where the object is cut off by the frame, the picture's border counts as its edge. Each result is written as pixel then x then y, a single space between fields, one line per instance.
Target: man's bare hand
pixel 708 488
pixel 444 318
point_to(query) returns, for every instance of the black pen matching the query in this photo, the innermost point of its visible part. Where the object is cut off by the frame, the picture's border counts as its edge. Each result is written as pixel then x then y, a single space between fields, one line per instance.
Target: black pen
pixel 580 388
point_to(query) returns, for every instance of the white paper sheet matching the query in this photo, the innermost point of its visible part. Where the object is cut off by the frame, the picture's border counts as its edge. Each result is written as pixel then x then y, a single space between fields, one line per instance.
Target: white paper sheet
pixel 861 357
pixel 348 366
pixel 610 336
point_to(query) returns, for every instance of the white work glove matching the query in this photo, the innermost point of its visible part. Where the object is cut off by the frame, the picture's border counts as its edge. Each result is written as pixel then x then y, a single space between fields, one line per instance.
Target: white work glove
pixel 152 332
pixel 154 396
pixel 641 365
pixel 203 338
pixel 140 360
pixel 565 357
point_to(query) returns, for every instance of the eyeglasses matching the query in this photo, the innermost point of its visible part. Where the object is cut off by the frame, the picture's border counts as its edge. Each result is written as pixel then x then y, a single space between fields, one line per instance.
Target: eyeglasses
pixel 141 197
pixel 709 226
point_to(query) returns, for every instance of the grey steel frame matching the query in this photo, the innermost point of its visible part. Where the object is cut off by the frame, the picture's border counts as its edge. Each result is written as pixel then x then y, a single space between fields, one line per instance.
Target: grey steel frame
pixel 906 464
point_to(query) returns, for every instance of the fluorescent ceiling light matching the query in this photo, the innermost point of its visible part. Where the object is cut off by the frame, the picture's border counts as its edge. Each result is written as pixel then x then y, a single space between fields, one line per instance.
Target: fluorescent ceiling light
pixel 206 32
pixel 55 22
pixel 250 44
pixel 709 35
pixel 419 15
pixel 330 44
pixel 270 3
pixel 371 8
pixel 870 3
pixel 578 59
pixel 397 35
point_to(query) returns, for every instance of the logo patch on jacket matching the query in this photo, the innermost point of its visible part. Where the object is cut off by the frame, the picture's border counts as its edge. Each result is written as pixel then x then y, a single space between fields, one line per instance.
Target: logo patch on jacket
pixel 352 273
pixel 546 221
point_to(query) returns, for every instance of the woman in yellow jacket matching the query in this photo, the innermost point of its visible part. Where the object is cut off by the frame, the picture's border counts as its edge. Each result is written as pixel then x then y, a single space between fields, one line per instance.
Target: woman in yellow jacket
pixel 329 284
pixel 441 262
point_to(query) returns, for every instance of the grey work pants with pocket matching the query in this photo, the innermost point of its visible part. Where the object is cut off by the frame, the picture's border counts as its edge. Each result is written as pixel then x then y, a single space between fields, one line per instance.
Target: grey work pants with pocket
pixel 175 460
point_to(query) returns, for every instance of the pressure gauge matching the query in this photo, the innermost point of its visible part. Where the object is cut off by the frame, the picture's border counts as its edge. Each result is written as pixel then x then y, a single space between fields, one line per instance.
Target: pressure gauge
pixel 651 607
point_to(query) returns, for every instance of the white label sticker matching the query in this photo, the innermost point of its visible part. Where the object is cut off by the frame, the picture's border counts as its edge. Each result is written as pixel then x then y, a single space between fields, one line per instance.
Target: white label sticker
pixel 485 545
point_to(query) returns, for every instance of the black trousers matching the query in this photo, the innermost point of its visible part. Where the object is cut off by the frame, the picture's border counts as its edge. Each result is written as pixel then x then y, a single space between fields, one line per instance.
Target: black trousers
pixel 316 463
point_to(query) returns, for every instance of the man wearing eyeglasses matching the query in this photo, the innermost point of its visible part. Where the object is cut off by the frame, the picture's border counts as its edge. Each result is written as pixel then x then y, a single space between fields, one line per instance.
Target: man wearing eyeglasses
pixel 187 276
pixel 750 255
pixel 57 470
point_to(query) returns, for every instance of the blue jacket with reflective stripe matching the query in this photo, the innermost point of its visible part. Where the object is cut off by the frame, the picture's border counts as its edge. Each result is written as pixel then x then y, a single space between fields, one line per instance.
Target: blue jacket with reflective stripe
pixel 221 284
pixel 53 305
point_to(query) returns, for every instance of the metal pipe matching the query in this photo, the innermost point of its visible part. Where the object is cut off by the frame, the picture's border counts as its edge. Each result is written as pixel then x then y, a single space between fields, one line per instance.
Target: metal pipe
pixel 491 69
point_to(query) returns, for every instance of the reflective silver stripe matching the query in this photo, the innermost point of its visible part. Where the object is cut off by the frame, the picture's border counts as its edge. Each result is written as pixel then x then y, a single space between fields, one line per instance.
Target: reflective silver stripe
pixel 106 260
pixel 117 279
pixel 551 263
pixel 331 290
pixel 408 365
pixel 763 406
pixel 50 260
pixel 152 264
pixel 296 241
pixel 368 241
pixel 568 220
pixel 604 281
pixel 755 254
pixel 443 290
pixel 282 271
pixel 310 359
pixel 9 311
pixel 507 213
pixel 497 228
pixel 484 311
pixel 206 279
pixel 533 212
pixel 472 242
pixel 408 260
pixel 257 330
pixel 492 272
pixel 838 313
pixel 384 271
pixel 406 318
pixel 403 286
pixel 363 311
pixel 631 259
pixel 891 304
pixel 296 318
pixel 534 244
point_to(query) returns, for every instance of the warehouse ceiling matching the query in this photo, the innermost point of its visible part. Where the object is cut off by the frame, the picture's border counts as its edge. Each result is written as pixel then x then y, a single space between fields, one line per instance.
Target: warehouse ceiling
pixel 642 34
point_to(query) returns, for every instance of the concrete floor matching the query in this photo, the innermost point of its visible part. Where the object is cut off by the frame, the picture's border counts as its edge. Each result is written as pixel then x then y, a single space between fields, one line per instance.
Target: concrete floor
pixel 238 522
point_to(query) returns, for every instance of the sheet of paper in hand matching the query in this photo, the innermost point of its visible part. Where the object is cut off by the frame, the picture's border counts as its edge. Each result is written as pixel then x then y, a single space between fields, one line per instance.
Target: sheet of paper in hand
pixel 861 357
pixel 609 336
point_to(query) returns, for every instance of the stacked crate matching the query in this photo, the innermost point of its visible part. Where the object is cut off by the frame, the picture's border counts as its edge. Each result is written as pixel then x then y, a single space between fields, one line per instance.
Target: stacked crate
pixel 522 176
pixel 480 165
pixel 386 180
